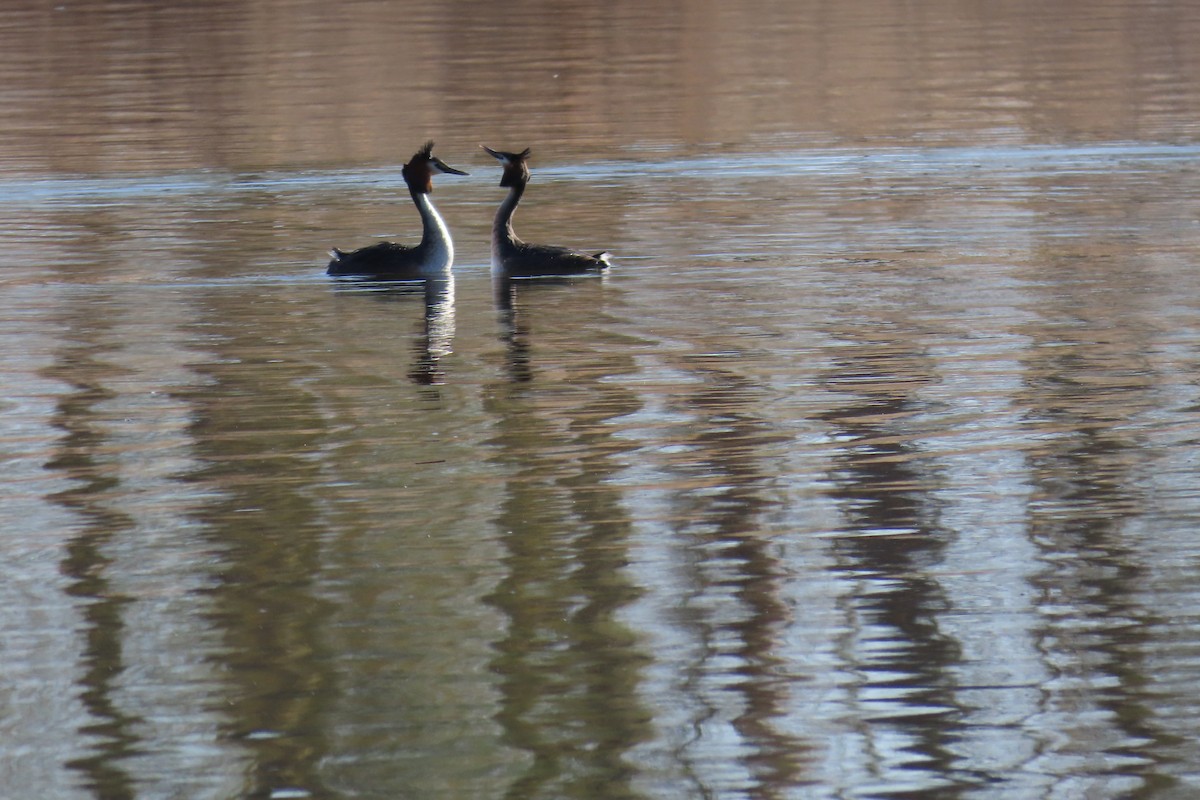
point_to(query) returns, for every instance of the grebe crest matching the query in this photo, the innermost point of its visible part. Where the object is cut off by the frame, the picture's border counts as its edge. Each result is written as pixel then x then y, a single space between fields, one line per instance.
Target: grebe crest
pixel 515 169
pixel 418 172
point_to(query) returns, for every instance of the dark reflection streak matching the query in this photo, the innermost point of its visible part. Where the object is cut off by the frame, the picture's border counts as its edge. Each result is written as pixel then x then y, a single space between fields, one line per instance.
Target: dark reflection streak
pixel 569 669
pixel 880 487
pixel 253 431
pixel 736 554
pixel 516 340
pixel 514 327
pixel 1082 485
pixel 86 565
pixel 514 334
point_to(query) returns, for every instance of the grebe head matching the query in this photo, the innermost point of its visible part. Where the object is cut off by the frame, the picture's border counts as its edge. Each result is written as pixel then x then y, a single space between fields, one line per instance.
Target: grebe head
pixel 418 172
pixel 515 169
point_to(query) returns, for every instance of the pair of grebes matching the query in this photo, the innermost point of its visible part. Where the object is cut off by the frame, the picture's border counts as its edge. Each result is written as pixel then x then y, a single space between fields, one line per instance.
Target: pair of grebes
pixel 434 255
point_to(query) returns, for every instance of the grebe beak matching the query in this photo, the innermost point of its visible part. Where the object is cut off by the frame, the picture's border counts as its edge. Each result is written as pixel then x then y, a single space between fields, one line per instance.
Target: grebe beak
pixel 442 166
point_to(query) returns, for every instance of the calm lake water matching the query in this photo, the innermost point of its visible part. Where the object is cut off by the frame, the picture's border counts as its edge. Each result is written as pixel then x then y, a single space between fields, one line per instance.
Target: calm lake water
pixel 870 471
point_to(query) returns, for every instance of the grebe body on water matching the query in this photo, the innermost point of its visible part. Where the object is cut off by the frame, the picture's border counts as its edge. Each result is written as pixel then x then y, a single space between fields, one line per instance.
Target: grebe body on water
pixel 515 258
pixel 389 261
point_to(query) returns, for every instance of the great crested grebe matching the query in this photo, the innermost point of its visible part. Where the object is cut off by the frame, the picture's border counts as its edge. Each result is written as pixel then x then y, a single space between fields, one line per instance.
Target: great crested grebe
pixel 518 259
pixel 398 262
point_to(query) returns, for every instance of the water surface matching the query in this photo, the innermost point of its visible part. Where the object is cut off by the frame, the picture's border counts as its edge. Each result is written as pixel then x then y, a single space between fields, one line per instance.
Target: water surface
pixel 869 471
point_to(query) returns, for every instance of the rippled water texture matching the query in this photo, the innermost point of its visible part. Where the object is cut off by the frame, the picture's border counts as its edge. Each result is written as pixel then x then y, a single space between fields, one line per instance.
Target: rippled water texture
pixel 869 471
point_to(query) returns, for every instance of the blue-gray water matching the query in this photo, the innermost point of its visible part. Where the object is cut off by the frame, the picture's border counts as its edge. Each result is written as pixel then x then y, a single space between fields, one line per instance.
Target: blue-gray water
pixel 869 471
